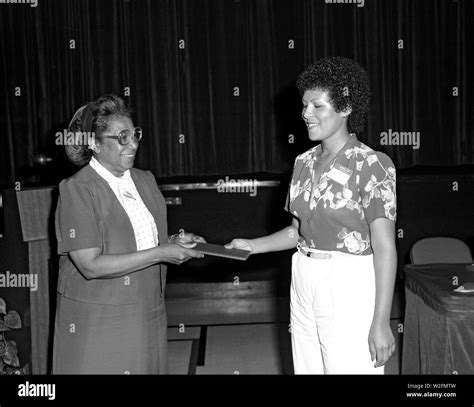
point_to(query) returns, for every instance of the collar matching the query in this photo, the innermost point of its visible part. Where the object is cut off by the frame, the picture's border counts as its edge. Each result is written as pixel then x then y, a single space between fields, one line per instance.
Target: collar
pixel 349 144
pixel 106 174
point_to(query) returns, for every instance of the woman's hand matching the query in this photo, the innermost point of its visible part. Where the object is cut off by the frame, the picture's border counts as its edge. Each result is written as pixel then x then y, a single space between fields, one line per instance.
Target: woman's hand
pixel 185 238
pixel 381 343
pixel 243 244
pixel 177 254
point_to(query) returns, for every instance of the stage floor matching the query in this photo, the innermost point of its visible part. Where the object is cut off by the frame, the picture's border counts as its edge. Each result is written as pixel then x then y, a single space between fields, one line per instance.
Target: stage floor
pixel 255 348
pixel 242 335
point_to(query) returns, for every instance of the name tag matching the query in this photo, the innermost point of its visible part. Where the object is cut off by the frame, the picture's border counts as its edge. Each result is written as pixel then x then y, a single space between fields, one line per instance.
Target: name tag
pixel 340 174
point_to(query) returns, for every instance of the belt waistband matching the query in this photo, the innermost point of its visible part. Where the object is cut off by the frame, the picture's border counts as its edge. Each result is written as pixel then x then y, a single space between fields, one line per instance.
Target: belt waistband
pixel 313 254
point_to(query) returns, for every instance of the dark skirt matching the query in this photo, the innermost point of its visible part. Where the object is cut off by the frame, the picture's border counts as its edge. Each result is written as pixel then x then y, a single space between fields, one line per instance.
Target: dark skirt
pixel 94 338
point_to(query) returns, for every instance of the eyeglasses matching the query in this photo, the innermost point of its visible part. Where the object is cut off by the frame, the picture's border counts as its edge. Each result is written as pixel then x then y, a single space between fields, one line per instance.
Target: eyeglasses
pixel 126 136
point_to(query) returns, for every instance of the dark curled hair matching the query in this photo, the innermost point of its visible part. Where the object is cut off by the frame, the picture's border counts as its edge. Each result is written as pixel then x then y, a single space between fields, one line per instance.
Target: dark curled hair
pixel 347 85
pixel 103 110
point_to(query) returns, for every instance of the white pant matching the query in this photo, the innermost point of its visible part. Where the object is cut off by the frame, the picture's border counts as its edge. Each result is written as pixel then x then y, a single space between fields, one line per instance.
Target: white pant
pixel 332 305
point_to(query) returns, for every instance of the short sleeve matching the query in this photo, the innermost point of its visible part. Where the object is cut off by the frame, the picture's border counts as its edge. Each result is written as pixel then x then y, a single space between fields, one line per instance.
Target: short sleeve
pixel 378 187
pixel 287 201
pixel 76 223
pixel 296 170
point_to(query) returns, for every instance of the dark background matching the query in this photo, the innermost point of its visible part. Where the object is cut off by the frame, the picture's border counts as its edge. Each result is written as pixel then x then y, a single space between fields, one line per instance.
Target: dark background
pixel 228 44
pixel 259 46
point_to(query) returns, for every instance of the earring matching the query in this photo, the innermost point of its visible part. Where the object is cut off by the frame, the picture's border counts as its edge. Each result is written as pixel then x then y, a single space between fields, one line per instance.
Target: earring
pixel 93 148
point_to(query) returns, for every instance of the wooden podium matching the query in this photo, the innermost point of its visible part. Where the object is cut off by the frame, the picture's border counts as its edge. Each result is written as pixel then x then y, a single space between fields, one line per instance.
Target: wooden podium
pixel 25 248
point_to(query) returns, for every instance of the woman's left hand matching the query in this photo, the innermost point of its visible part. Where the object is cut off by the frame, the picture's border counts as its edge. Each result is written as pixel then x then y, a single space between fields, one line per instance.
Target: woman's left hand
pixel 186 238
pixel 381 343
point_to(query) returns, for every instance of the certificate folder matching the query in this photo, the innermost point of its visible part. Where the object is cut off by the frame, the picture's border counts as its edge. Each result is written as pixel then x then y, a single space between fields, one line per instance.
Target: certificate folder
pixel 221 251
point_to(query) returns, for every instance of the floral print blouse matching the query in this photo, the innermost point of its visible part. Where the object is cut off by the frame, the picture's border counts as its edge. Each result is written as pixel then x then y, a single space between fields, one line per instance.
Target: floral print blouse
pixel 357 187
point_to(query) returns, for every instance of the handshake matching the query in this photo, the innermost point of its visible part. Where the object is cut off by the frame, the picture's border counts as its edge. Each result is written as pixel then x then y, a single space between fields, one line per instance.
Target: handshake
pixel 184 246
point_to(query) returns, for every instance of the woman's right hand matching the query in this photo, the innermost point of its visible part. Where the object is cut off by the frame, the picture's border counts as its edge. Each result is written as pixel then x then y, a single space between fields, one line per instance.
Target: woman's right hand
pixel 177 254
pixel 243 244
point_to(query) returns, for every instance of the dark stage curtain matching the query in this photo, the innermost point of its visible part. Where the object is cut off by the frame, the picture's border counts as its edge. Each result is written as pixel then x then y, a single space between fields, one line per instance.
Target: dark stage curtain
pixel 221 73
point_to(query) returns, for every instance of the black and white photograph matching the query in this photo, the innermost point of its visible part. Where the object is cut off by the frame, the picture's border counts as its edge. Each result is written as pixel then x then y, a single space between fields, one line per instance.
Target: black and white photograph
pixel 279 190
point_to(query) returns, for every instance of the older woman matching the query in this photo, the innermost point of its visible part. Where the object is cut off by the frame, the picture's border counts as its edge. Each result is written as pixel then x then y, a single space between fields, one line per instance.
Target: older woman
pixel 112 237
pixel 342 198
